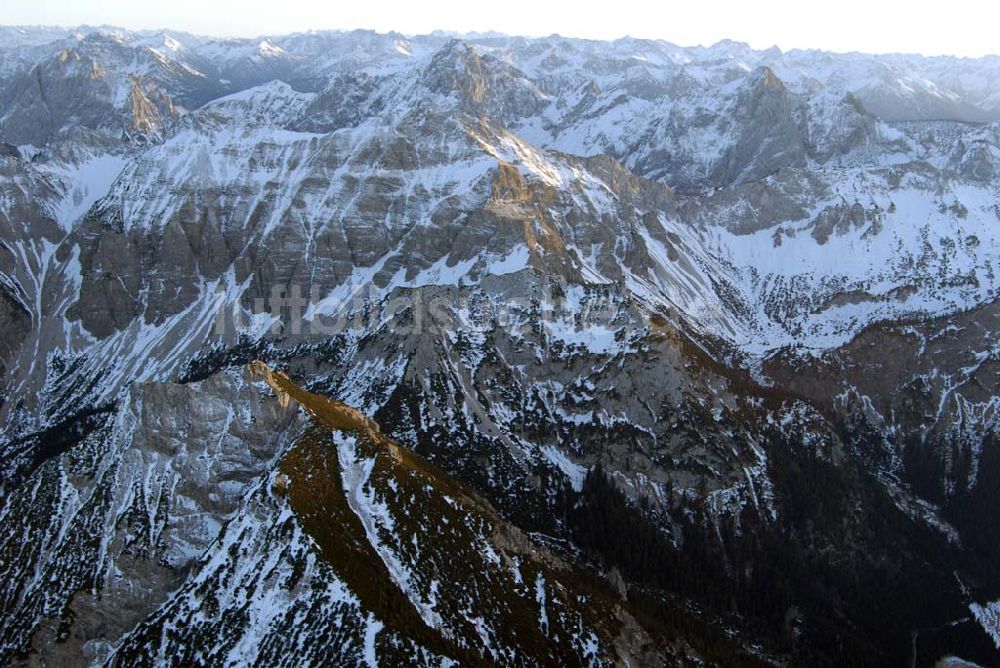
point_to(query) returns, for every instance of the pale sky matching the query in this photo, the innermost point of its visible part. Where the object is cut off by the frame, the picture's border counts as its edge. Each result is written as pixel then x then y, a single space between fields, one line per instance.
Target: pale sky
pixel 952 27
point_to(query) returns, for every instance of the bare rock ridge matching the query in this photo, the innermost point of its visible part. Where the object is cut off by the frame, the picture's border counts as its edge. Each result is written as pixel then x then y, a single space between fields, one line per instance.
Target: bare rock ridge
pixel 372 530
pixel 333 414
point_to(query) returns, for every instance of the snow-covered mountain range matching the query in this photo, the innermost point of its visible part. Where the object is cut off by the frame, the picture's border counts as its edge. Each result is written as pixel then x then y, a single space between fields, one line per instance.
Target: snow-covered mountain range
pixel 683 354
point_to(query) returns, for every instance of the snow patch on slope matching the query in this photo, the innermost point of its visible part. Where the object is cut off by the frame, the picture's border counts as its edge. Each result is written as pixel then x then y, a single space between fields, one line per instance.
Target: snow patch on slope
pixel 377 521
pixel 988 617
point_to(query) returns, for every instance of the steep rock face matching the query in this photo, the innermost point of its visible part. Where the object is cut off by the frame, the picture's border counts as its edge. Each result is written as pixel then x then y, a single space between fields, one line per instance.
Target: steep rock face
pixel 37 205
pixel 101 84
pixel 133 504
pixel 470 382
pixel 345 102
pixel 484 85
pixel 769 139
pixel 361 537
pixel 835 129
pixel 15 324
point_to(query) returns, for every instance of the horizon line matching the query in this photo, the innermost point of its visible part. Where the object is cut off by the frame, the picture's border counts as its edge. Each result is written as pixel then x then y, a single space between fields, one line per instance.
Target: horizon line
pixel 480 34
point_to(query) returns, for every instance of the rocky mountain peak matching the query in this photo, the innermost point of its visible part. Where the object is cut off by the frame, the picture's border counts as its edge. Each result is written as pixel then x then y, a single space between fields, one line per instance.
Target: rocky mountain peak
pixel 457 68
pixel 484 84
pixel 765 78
